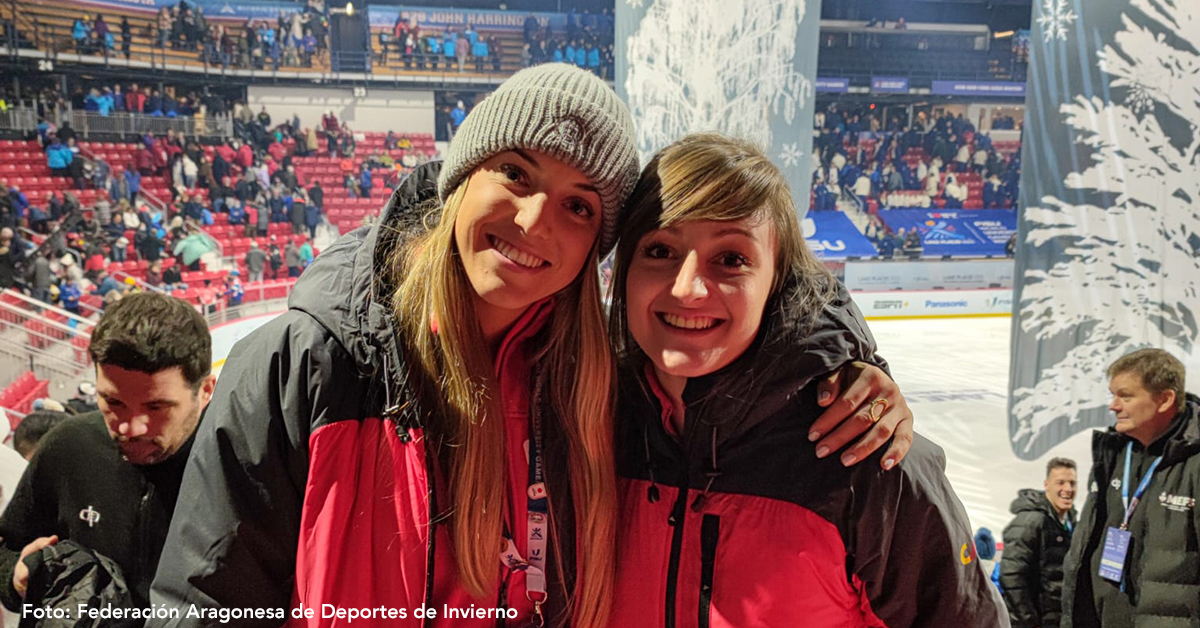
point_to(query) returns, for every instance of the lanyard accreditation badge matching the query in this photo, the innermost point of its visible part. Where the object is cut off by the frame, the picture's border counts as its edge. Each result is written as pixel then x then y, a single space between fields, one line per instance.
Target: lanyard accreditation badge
pixel 537 527
pixel 1116 540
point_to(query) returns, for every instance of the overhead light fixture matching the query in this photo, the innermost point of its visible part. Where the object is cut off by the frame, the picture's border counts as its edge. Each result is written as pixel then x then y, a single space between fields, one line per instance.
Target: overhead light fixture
pixel 349 8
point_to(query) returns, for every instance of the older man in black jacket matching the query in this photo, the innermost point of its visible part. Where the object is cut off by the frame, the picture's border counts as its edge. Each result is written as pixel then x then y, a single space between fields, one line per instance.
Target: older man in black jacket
pixel 1135 558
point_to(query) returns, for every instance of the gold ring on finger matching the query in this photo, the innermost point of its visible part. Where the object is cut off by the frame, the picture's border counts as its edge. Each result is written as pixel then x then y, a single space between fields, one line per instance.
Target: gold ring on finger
pixel 882 406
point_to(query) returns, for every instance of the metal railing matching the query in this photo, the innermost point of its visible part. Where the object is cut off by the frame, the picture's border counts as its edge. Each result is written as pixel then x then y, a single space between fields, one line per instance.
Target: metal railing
pixel 223 314
pixel 53 348
pixel 88 123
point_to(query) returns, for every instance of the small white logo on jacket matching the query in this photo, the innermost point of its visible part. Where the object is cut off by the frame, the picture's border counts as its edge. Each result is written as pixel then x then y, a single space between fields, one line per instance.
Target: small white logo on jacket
pixel 1178 503
pixel 90 515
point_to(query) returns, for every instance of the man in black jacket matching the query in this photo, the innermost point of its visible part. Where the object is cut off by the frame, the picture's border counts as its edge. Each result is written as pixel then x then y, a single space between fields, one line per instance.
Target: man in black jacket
pixel 108 480
pixel 1135 558
pixel 1035 543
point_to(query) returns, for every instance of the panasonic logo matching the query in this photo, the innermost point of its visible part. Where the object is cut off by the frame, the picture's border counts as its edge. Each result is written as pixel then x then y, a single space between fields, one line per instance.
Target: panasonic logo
pixel 945 304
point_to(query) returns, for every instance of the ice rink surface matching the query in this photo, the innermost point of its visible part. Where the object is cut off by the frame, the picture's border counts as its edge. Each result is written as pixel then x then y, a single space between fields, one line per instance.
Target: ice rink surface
pixel 954 373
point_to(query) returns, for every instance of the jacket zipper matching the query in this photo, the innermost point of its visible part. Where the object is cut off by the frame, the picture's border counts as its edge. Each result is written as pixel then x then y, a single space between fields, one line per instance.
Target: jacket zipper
pixel 710 533
pixel 143 528
pixel 676 520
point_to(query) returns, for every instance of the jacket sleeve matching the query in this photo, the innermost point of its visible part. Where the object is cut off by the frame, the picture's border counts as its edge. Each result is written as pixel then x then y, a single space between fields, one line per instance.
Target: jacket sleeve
pixel 1020 571
pixel 911 550
pixel 1076 586
pixel 233 536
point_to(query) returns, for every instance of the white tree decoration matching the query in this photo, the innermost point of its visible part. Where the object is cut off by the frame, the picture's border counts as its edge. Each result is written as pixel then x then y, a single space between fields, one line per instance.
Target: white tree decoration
pixel 726 65
pixel 1055 19
pixel 1128 274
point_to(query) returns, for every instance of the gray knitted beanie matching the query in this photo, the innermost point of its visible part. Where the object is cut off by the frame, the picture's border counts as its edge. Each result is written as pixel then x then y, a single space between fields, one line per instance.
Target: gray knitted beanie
pixel 562 111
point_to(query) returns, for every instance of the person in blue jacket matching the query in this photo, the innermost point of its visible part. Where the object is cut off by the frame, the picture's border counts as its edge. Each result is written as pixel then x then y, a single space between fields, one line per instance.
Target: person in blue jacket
pixel 593 59
pixel 569 53
pixel 580 56
pixel 479 50
pixel 58 158
pixel 69 297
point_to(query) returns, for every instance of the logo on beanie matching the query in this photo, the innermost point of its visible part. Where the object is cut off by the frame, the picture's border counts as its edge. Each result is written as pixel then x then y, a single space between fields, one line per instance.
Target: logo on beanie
pixel 568 132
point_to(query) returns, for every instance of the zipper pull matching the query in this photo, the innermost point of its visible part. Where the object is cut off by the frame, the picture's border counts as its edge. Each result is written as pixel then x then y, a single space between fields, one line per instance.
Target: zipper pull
pixel 652 494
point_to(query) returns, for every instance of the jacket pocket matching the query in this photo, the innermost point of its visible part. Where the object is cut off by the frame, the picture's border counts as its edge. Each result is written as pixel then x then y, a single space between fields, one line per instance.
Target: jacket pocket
pixel 710 532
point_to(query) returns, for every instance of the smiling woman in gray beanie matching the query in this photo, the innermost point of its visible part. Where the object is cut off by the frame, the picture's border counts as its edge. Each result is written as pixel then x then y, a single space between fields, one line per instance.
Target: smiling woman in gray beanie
pixel 431 421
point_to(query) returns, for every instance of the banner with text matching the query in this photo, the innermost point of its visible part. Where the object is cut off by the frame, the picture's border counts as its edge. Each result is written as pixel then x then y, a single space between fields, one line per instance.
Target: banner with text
pixel 961 232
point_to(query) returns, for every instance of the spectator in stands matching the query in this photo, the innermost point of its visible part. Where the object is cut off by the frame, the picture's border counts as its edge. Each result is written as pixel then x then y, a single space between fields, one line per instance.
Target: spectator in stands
pixel 462 47
pixel 154 274
pixel 291 256
pixel 580 55
pixel 105 283
pixel 234 291
pixel 126 36
pixel 364 182
pixel 173 274
pixel 255 261
pixel 147 243
pixel 312 217
pixel 1010 247
pixel 993 192
pixel 955 192
pixel 275 259
pixel 81 33
pixel 101 33
pixel 457 115
pixel 42 276
pixel 58 158
pixel 348 145
pixel 962 157
pixel 68 297
pixel 306 252
pixel 296 215
pixel 12 258
pixel 33 428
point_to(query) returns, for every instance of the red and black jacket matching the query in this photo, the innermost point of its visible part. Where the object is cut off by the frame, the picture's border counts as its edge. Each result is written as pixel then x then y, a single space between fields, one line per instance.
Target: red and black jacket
pixel 736 523
pixel 312 481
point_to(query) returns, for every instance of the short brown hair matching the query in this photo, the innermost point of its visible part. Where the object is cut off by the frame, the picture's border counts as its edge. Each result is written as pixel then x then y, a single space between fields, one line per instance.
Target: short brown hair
pixel 1059 463
pixel 1159 371
pixel 150 331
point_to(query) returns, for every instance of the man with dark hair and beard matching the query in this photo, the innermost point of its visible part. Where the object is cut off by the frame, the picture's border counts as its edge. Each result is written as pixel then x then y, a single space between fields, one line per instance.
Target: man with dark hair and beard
pixel 107 481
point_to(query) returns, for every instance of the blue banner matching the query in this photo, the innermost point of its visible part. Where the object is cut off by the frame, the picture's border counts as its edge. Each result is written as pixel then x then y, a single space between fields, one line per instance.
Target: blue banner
pixel 833 85
pixel 979 88
pixel 832 236
pixel 958 232
pixel 889 85
pixel 212 9
pixel 430 17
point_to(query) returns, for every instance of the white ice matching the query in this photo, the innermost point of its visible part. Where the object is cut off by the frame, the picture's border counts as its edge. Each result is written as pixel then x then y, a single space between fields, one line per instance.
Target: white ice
pixel 954 374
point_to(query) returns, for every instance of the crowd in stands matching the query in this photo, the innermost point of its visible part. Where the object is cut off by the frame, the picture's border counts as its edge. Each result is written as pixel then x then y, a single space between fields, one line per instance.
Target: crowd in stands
pixel 292 39
pixel 247 183
pixel 421 49
pixel 933 162
pixel 587 42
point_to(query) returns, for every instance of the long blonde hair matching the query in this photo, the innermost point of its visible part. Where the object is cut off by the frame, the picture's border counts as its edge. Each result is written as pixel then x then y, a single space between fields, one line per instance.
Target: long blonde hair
pixel 454 373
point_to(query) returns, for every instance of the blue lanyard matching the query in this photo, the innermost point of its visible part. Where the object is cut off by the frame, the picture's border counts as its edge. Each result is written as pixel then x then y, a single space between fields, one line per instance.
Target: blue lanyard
pixel 1130 505
pixel 1067 523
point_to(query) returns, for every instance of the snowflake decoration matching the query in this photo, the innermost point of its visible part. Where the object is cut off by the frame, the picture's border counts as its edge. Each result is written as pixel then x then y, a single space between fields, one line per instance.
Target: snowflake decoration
pixel 1055 19
pixel 791 155
pixel 637 4
pixel 1139 99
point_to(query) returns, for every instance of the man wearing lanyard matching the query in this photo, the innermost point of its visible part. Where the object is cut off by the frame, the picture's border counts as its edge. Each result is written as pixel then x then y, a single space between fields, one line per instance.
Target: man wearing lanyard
pixel 1035 543
pixel 1135 557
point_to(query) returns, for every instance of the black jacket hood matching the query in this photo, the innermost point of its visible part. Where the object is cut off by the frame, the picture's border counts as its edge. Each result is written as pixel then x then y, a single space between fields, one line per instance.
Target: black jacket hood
pixel 360 317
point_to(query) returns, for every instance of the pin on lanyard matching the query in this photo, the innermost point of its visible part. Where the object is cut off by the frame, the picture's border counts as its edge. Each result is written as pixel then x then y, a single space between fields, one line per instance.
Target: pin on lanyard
pixel 1131 504
pixel 536 526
